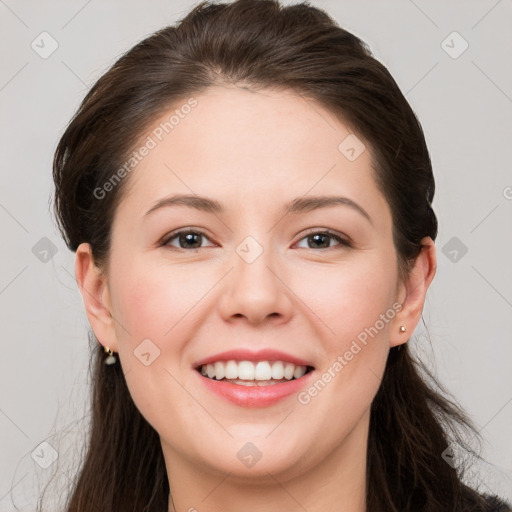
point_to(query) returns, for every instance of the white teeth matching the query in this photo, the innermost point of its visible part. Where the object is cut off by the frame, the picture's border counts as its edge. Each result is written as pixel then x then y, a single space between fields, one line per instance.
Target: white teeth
pixel 263 371
pixel 299 372
pixel 220 370
pixel 246 370
pixel 231 370
pixel 278 370
pixel 248 373
pixel 288 371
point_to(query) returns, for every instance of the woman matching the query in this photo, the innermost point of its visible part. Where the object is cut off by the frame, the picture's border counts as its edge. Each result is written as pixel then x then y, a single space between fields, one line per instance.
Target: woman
pixel 265 366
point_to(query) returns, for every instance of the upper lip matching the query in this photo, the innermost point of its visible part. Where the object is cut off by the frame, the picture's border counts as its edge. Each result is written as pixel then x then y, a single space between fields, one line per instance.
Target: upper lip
pixel 255 356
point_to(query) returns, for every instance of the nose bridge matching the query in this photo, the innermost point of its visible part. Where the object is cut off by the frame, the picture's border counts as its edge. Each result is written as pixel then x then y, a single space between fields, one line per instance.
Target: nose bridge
pixel 254 290
pixel 252 261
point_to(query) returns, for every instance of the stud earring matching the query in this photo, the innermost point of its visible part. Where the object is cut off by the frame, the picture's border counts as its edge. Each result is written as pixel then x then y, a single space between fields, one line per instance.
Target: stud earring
pixel 111 359
pixel 403 328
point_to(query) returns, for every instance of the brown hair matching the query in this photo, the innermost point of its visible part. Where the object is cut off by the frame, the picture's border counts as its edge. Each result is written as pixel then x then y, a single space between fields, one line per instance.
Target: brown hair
pixel 260 44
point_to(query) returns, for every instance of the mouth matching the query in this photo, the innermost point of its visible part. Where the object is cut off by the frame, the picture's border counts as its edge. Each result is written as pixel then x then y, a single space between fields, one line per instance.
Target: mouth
pixel 249 379
pixel 251 373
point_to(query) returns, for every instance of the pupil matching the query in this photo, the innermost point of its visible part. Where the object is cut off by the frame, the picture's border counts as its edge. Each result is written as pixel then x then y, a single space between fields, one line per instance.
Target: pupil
pixel 188 237
pixel 317 236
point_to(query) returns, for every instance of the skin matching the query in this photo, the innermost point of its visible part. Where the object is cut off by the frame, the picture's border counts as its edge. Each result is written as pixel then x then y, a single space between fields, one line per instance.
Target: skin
pixel 254 152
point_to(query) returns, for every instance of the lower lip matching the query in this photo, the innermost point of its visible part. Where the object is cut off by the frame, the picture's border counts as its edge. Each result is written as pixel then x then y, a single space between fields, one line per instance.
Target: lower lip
pixel 255 396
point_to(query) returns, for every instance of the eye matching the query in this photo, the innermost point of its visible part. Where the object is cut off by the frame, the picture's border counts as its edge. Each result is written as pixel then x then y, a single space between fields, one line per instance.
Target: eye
pixel 192 239
pixel 322 239
pixel 188 239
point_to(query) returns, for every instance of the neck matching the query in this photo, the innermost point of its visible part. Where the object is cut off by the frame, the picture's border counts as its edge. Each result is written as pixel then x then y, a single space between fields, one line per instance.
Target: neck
pixel 336 484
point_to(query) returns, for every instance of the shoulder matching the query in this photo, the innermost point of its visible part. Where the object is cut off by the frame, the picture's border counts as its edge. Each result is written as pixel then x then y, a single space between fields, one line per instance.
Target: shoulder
pixel 496 504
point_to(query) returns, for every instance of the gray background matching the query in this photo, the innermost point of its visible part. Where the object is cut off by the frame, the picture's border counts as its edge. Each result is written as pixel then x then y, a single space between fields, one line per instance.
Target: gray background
pixel 464 101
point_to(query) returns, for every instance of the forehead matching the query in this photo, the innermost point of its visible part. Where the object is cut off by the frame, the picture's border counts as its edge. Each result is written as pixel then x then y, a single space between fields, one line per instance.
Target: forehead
pixel 236 143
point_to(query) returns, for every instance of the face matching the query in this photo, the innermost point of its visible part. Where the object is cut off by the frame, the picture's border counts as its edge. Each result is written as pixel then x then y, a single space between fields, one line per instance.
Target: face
pixel 261 275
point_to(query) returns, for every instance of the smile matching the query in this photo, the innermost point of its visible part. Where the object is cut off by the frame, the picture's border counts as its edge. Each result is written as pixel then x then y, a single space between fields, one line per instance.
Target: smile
pixel 253 380
pixel 249 373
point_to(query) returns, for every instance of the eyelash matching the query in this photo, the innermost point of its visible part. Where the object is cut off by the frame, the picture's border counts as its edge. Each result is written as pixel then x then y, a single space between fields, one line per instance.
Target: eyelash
pixel 342 241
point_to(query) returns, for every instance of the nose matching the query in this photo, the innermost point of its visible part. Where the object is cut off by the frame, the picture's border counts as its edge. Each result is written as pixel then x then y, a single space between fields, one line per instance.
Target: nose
pixel 256 289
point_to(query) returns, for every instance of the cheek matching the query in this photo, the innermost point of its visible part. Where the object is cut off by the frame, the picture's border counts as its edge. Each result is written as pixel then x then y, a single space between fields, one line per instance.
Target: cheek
pixel 151 299
pixel 351 304
pixel 356 304
pixel 153 303
pixel 351 299
pixel 358 307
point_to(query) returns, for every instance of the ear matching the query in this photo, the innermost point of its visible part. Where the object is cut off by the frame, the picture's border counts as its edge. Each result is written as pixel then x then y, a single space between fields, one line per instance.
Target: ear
pixel 93 286
pixel 412 292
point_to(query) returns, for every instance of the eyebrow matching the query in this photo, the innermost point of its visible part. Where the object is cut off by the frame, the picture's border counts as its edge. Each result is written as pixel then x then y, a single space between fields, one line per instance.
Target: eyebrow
pixel 296 206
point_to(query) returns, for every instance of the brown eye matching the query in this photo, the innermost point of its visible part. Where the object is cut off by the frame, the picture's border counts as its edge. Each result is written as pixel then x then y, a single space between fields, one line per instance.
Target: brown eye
pixel 186 239
pixel 322 240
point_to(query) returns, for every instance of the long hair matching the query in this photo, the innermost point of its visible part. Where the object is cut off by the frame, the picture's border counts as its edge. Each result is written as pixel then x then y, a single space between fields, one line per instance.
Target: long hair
pixel 260 44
